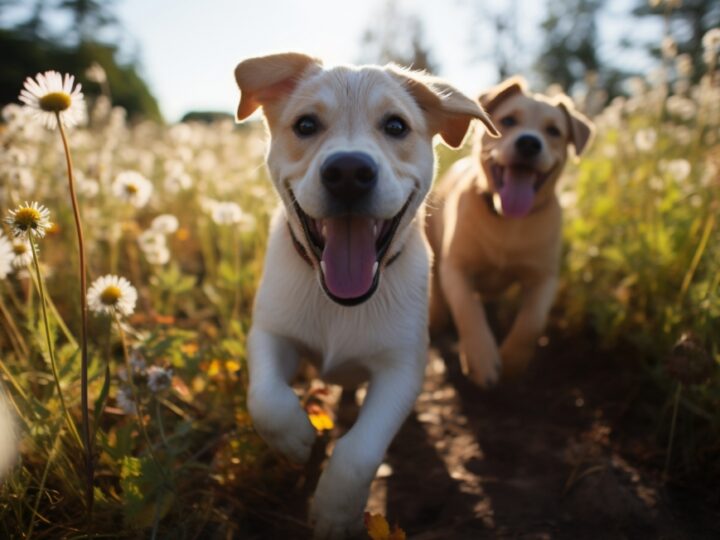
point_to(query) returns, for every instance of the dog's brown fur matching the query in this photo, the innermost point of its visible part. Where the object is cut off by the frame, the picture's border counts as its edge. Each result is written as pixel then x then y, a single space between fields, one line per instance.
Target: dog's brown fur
pixel 479 250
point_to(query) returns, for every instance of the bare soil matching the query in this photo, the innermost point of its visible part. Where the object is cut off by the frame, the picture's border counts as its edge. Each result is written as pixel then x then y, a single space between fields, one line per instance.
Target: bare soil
pixel 566 452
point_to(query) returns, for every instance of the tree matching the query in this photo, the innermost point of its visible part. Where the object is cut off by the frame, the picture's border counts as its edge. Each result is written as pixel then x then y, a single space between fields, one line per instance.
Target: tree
pixel 399 38
pixel 89 16
pixel 687 22
pixel 570 44
pixel 494 32
pixel 29 48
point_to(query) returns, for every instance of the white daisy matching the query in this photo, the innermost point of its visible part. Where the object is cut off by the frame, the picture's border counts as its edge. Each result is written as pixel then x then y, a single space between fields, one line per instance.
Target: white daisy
pixel 711 40
pixel 177 182
pixel 165 224
pixel 226 213
pixel 6 253
pixel 159 379
pixel 22 253
pixel 124 400
pixel 151 240
pixel 132 187
pixel 96 73
pixel 158 257
pixel 88 187
pixel 645 139
pixel 50 95
pixel 112 295
pixel 29 218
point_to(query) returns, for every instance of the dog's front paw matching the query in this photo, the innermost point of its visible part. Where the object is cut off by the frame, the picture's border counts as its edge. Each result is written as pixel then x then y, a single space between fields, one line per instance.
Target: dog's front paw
pixel 516 356
pixel 339 502
pixel 336 527
pixel 481 364
pixel 281 422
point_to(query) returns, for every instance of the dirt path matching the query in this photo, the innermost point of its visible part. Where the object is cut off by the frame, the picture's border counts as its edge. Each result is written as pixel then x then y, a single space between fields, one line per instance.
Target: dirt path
pixel 560 454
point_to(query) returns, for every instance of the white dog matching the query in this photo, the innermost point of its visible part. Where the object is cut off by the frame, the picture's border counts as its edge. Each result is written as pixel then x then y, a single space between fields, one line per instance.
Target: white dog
pixel 346 272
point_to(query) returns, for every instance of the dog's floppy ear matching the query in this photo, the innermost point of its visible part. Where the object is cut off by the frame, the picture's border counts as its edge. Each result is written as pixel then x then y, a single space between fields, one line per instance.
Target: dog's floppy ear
pixel 581 128
pixel 497 94
pixel 264 79
pixel 449 111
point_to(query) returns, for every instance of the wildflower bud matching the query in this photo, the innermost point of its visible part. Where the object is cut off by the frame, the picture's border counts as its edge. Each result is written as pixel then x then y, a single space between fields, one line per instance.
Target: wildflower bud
pixel 689 362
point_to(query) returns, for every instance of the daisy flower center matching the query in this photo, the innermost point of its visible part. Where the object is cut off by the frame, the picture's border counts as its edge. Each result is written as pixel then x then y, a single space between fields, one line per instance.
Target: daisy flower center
pixel 132 189
pixel 110 295
pixel 55 102
pixel 26 218
pixel 19 249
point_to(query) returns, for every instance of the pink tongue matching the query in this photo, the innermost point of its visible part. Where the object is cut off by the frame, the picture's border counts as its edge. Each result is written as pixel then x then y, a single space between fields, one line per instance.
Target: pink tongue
pixel 517 193
pixel 349 256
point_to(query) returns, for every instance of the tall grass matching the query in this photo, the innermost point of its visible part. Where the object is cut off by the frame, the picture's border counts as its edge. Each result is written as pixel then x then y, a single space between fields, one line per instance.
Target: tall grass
pixel 190 449
pixel 643 266
pixel 641 270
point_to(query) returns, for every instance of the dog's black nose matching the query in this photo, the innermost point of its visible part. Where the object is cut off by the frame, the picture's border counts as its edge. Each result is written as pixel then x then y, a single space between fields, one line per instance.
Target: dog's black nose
pixel 349 175
pixel 528 146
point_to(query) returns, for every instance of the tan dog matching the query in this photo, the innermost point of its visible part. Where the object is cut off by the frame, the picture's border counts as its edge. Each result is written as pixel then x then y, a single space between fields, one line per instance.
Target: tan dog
pixel 346 273
pixel 496 221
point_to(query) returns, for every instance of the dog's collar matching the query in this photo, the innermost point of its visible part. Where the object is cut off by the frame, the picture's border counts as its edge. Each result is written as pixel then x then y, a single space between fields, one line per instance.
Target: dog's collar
pixel 488 198
pixel 304 254
pixel 298 246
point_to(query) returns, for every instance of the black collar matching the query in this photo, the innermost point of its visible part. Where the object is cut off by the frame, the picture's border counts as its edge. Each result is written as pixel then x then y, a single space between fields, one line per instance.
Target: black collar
pixel 488 198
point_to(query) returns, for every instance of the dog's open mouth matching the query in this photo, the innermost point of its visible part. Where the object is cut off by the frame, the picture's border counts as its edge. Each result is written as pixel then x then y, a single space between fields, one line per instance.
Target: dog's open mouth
pixel 350 251
pixel 517 185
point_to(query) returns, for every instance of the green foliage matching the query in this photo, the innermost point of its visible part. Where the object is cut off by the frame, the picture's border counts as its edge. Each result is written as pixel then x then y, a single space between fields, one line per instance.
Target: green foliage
pixel 571 52
pixel 26 56
pixel 688 21
pixel 192 443
pixel 643 265
pixel 148 492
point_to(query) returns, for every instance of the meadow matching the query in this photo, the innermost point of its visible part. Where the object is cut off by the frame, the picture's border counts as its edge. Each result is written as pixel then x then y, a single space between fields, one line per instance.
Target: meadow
pixel 182 211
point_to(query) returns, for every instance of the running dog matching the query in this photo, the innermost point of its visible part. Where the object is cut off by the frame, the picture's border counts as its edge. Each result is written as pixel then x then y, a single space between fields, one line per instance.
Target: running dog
pixel 497 221
pixel 346 274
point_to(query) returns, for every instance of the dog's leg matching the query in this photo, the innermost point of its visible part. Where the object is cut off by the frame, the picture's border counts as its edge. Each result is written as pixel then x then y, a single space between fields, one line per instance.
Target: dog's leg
pixel 479 355
pixel 519 346
pixel 342 492
pixel 274 407
pixel 439 314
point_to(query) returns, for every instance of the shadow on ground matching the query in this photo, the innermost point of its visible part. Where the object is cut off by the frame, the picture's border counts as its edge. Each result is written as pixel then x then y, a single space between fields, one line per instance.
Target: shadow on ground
pixel 561 453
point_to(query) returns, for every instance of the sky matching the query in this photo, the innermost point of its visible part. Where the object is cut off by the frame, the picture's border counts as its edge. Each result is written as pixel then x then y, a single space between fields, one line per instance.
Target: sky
pixel 189 49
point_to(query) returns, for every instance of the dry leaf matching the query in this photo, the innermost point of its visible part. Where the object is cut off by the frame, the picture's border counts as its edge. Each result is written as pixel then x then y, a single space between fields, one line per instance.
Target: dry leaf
pixel 320 419
pixel 379 529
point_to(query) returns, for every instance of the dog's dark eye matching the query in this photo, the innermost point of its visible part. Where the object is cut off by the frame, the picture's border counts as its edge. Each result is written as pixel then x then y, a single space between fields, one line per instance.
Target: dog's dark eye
pixel 306 126
pixel 553 131
pixel 508 121
pixel 395 127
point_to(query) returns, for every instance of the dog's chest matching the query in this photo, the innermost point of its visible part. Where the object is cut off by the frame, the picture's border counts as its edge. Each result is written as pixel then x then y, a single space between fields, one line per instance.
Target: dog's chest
pixel 290 303
pixel 505 251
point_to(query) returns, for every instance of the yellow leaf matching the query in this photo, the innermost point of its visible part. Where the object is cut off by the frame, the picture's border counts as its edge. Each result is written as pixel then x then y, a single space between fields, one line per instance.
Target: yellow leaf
pixel 377 526
pixel 397 534
pixel 189 348
pixel 214 368
pixel 320 420
pixel 232 366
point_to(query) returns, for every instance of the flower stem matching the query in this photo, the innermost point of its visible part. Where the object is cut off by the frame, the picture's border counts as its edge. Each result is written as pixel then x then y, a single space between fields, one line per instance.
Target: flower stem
pixel 12 330
pixel 89 465
pixel 56 315
pixel 136 396
pixel 51 348
pixel 43 480
pixel 673 422
pixel 158 414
